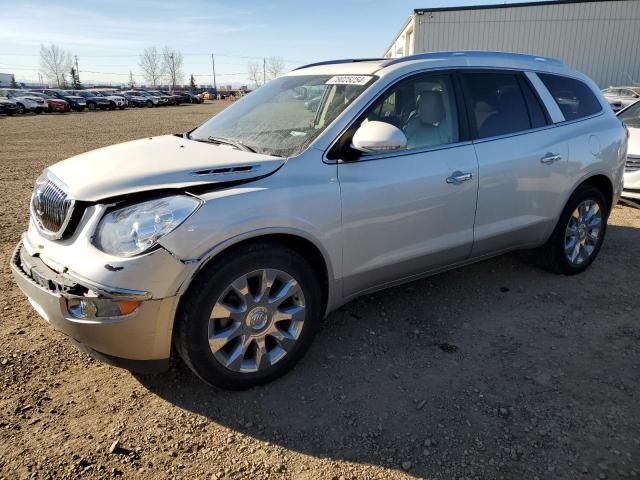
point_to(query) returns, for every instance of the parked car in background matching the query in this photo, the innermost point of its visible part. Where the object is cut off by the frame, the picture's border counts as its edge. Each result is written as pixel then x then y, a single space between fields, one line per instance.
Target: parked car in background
pixel 53 104
pixel 193 98
pixel 155 101
pixel 165 99
pixel 177 98
pixel 76 102
pixel 134 100
pixel 233 241
pixel 630 116
pixel 115 101
pixel 621 97
pixel 93 101
pixel 7 106
pixel 24 101
pixel 188 97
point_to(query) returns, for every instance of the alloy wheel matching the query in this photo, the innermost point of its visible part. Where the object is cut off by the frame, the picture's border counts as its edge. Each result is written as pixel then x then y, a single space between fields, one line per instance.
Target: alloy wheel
pixel 583 232
pixel 257 320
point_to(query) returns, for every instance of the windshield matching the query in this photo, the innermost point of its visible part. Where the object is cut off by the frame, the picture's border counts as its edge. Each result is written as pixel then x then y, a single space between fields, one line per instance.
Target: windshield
pixel 76 94
pixel 282 117
pixel 631 116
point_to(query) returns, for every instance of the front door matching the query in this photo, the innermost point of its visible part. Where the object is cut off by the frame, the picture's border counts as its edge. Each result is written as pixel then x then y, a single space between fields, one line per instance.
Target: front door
pixel 408 212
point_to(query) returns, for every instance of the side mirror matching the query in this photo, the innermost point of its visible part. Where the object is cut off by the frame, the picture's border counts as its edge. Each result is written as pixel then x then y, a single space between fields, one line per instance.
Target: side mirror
pixel 376 137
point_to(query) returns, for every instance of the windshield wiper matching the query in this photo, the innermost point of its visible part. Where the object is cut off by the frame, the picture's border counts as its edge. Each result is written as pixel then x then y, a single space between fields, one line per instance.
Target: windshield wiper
pixel 233 143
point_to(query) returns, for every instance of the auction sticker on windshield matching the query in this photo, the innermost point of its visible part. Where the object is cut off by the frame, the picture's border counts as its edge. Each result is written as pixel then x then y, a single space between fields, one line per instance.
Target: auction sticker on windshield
pixel 349 80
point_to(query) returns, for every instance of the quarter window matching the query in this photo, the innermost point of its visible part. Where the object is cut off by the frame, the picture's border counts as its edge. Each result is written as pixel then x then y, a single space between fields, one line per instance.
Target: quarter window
pixel 497 104
pixel 574 98
pixel 423 107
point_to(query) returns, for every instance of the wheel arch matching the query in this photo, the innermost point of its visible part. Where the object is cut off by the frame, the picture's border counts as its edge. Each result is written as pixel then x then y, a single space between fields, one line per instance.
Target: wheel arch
pixel 602 183
pixel 309 249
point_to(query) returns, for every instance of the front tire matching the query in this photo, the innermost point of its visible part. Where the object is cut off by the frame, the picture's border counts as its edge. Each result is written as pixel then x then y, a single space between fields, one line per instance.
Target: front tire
pixel 20 108
pixel 91 107
pixel 249 317
pixel 578 235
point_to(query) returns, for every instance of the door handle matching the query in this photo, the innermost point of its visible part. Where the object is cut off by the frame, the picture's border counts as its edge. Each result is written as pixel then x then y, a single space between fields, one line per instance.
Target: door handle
pixel 550 158
pixel 458 177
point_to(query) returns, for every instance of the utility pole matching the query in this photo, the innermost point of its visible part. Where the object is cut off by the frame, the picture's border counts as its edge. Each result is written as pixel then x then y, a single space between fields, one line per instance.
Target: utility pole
pixel 213 67
pixel 264 71
pixel 77 69
pixel 173 73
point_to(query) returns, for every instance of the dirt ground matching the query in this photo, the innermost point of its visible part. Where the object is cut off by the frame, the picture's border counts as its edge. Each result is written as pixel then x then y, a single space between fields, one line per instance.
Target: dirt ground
pixel 493 371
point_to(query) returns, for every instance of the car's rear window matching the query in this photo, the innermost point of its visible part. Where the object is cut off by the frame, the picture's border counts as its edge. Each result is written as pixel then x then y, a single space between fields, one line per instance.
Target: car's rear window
pixel 574 98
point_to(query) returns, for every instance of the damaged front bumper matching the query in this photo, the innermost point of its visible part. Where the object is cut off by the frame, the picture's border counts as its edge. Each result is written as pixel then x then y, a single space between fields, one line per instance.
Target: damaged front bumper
pixel 127 328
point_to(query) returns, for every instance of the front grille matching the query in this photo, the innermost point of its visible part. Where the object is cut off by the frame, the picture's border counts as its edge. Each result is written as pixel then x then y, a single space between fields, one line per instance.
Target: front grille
pixel 633 164
pixel 51 208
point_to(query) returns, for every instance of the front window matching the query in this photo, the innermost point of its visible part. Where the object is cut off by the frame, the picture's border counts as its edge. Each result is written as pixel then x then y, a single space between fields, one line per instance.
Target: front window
pixel 284 116
pixel 631 116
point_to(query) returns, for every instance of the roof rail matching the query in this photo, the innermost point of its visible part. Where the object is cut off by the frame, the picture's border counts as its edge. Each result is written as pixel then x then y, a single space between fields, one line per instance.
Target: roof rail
pixel 474 54
pixel 336 62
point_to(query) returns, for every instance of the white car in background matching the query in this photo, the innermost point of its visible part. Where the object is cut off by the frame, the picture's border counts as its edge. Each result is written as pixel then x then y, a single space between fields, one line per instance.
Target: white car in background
pixel 24 101
pixel 621 97
pixel 117 101
pixel 630 116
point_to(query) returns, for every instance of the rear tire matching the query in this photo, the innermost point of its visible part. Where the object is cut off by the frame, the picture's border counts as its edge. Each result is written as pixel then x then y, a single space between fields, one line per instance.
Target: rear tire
pixel 579 233
pixel 255 324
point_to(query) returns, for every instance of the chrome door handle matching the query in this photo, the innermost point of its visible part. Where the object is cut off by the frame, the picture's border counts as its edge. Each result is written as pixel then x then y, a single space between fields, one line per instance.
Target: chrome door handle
pixel 458 177
pixel 550 158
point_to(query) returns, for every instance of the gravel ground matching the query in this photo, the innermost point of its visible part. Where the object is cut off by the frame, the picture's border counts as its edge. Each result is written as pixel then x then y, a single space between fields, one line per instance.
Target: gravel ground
pixel 497 370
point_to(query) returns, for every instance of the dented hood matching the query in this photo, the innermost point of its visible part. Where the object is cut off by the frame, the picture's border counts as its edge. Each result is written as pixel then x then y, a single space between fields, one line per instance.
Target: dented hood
pixel 156 163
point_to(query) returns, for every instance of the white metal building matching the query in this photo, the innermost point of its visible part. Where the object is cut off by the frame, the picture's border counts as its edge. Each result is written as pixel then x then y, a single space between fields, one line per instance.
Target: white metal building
pixel 5 79
pixel 600 38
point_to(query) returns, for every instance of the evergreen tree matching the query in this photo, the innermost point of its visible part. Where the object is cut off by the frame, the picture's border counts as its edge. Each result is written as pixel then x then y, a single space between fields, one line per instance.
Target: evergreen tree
pixel 75 79
pixel 192 83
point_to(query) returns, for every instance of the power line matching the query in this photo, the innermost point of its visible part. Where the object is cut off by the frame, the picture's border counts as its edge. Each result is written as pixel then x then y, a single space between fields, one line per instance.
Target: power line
pixel 250 57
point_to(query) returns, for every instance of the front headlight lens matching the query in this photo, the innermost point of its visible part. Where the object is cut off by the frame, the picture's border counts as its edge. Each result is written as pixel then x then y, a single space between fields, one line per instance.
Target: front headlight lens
pixel 133 230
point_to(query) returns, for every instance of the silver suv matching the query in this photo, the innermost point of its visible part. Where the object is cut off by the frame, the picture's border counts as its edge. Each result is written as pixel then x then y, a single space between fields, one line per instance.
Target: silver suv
pixel 234 240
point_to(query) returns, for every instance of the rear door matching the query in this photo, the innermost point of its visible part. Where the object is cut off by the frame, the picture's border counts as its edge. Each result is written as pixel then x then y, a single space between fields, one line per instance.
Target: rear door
pixel 410 211
pixel 522 161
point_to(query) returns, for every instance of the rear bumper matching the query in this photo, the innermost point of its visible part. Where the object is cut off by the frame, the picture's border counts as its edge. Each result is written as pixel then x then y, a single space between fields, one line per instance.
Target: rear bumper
pixel 139 341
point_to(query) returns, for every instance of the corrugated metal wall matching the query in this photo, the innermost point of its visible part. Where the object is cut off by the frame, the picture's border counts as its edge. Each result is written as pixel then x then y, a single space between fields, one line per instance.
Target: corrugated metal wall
pixel 601 39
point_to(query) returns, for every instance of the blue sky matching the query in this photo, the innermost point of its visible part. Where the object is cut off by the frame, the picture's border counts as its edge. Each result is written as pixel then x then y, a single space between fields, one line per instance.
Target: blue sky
pixel 109 35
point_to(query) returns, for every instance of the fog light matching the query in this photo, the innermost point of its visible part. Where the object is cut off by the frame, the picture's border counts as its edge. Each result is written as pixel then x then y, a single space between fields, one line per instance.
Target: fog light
pixel 83 309
pixel 92 308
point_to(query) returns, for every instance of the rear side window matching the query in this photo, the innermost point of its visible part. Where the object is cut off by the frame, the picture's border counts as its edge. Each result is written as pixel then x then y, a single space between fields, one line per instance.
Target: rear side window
pixel 497 104
pixel 574 98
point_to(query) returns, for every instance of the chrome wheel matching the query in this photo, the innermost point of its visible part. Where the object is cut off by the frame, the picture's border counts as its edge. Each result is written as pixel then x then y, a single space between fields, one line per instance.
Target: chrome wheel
pixel 583 232
pixel 257 320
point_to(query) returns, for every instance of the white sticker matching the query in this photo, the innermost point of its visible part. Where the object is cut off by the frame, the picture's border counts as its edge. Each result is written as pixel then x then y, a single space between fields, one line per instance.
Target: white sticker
pixel 349 80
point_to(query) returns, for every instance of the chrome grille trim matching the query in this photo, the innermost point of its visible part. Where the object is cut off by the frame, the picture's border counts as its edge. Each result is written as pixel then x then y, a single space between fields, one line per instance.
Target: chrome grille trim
pixel 51 208
pixel 632 164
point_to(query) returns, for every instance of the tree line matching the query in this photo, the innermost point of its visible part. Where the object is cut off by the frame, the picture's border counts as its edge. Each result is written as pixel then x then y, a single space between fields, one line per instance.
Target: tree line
pixel 157 66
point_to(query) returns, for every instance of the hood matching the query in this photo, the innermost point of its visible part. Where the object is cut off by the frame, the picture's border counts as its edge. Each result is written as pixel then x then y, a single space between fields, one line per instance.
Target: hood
pixel 28 97
pixel 634 141
pixel 157 163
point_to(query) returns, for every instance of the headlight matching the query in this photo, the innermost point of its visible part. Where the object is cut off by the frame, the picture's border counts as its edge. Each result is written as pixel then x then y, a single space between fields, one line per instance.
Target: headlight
pixel 132 230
